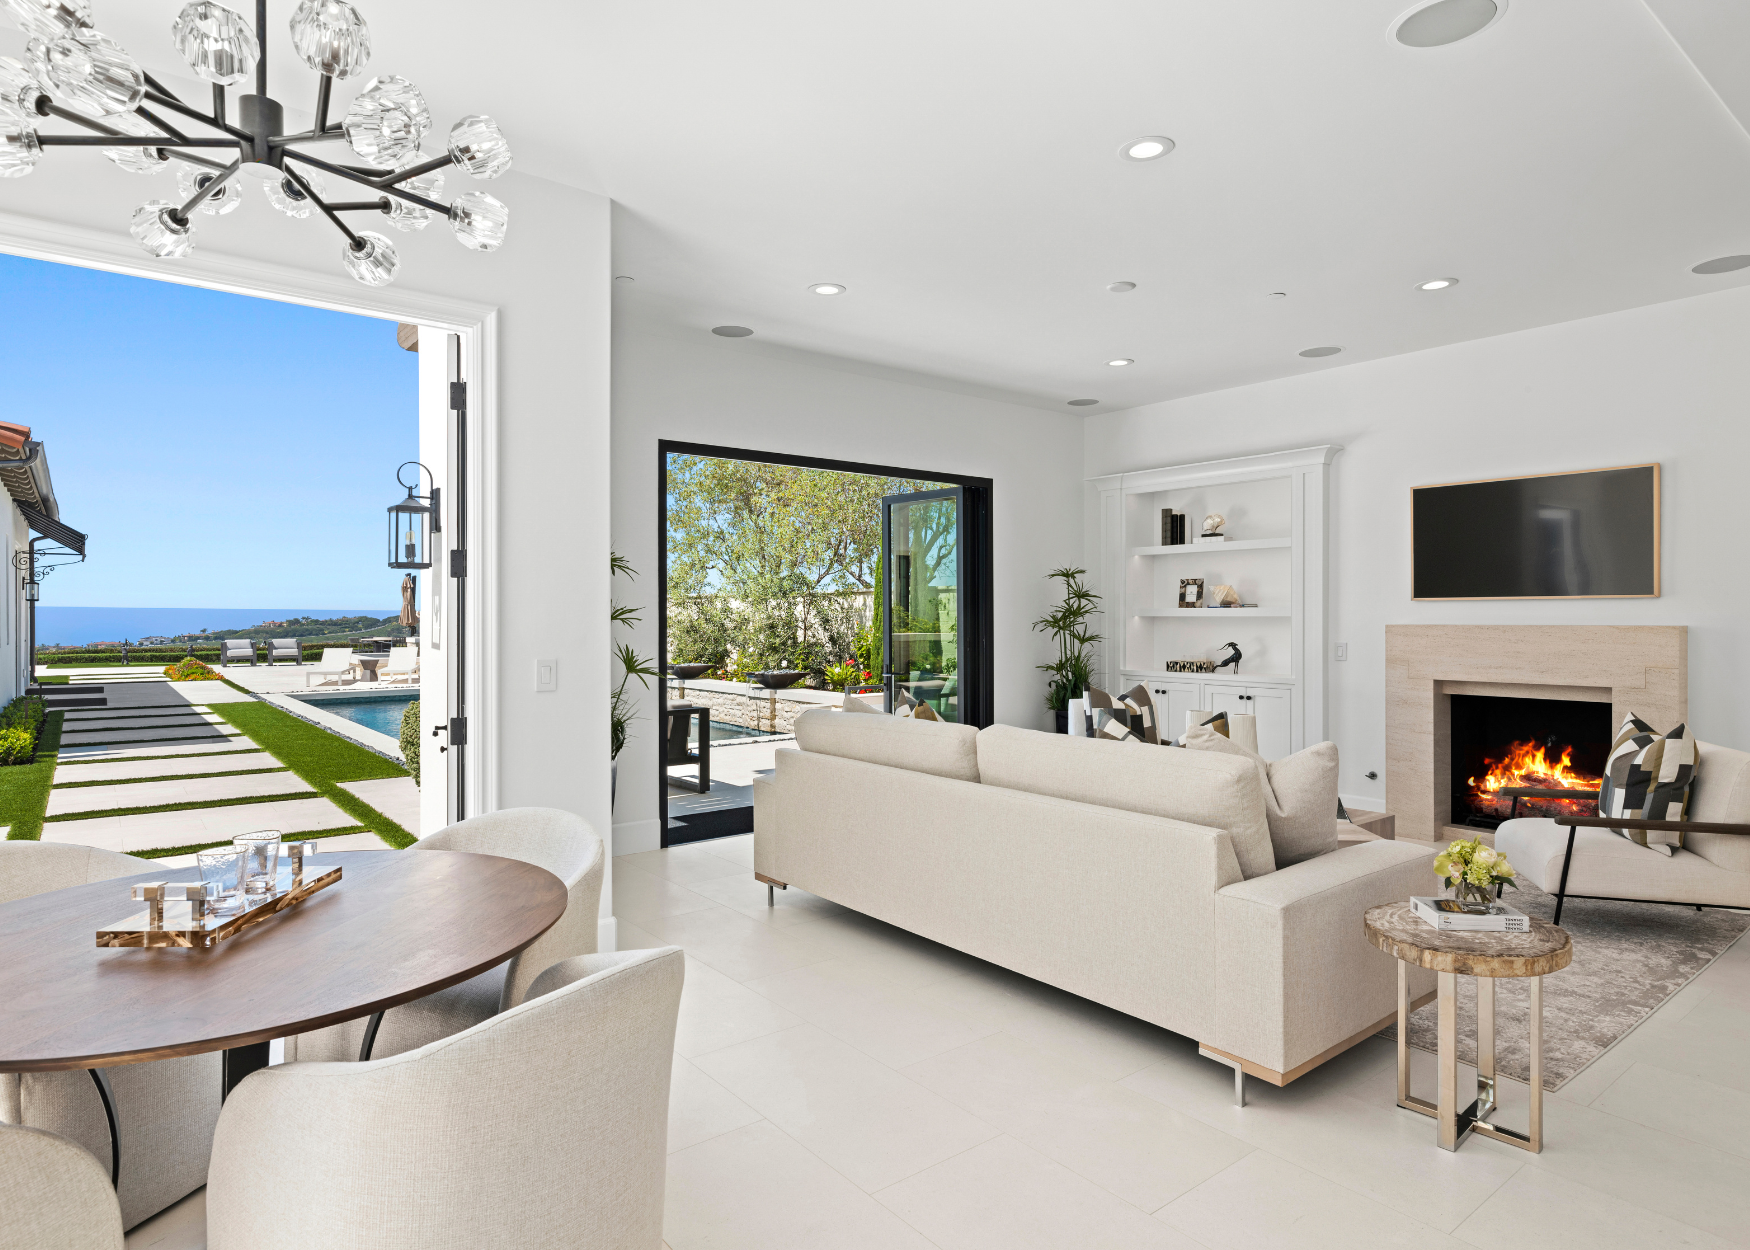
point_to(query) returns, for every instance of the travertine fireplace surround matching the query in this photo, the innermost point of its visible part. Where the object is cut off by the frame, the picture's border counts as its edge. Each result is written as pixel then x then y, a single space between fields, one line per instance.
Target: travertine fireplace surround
pixel 1643 669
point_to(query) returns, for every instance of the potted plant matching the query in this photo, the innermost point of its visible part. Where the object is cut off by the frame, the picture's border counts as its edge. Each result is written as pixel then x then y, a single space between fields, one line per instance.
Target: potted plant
pixel 1067 624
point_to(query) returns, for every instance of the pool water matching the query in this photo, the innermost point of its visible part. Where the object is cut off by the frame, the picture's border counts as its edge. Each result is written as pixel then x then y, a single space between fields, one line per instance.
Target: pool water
pixel 379 712
pixel 723 732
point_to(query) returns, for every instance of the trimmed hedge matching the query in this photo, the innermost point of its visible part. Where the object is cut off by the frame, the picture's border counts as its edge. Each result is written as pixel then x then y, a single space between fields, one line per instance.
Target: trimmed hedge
pixel 410 739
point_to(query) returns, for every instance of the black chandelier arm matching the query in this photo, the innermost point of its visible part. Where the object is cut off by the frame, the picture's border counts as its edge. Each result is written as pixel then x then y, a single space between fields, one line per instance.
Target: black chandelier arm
pixel 177 106
pixel 129 141
pixel 188 158
pixel 219 103
pixel 213 184
pixel 159 87
pixel 414 171
pixel 380 205
pixel 343 172
pixel 261 48
pixel 352 239
pixel 148 115
pixel 324 88
pixel 46 108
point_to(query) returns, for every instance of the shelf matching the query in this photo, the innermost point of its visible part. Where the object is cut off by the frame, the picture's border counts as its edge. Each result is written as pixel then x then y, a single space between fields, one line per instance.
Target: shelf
pixel 1237 544
pixel 1215 613
pixel 1226 676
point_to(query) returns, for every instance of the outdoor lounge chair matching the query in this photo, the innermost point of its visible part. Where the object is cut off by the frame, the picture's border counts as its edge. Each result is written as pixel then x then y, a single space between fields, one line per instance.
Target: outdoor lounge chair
pixel 285 649
pixel 236 651
pixel 402 667
pixel 334 668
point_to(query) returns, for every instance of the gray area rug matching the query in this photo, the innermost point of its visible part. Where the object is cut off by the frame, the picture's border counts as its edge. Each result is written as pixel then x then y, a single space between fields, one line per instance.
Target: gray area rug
pixel 1628 959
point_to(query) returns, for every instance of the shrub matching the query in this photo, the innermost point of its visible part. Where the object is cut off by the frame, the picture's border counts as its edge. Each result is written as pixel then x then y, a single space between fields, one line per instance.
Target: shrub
pixel 410 739
pixel 23 713
pixel 191 670
pixel 17 745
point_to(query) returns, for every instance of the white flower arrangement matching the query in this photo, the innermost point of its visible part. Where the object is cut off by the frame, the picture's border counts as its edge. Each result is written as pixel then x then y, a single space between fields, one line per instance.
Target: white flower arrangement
pixel 1474 870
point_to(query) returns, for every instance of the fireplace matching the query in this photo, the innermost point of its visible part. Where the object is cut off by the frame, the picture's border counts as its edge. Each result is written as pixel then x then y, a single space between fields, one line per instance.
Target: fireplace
pixel 1552 744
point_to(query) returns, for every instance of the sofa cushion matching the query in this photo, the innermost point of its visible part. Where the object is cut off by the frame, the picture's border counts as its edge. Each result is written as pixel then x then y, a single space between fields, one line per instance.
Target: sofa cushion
pixel 1199 787
pixel 1720 795
pixel 1607 866
pixel 936 747
pixel 1300 793
pixel 1647 777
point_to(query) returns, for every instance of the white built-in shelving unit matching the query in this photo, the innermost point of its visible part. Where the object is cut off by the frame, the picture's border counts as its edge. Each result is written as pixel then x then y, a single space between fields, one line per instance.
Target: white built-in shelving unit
pixel 1275 556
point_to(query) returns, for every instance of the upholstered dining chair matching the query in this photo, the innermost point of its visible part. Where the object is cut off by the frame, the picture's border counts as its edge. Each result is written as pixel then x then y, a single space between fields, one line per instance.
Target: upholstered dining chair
pixel 53 1196
pixel 546 1126
pixel 165 1110
pixel 1580 856
pixel 561 842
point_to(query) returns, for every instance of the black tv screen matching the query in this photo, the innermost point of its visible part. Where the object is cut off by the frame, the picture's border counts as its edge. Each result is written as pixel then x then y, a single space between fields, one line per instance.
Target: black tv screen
pixel 1591 534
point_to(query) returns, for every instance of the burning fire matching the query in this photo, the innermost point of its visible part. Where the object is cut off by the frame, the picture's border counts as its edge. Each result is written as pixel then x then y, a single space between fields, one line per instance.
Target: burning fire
pixel 1528 764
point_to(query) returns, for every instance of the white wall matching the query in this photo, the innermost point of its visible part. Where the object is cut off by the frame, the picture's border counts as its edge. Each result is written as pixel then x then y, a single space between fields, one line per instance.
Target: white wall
pixel 550 285
pixel 709 390
pixel 1666 383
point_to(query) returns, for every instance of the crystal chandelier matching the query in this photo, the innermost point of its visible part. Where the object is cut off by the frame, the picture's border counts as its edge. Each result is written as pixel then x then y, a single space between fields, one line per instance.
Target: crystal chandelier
pixel 73 73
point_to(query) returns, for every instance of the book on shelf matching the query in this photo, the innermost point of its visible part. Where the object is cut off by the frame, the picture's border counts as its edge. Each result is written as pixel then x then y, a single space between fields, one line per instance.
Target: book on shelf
pixel 1446 914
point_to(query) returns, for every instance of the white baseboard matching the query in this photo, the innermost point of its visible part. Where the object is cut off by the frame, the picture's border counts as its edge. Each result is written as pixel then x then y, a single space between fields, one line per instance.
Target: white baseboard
pixel 606 935
pixel 1366 802
pixel 633 836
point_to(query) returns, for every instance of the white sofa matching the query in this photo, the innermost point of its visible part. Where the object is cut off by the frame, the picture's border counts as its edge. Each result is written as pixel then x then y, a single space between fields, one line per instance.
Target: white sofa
pixel 1712 869
pixel 1068 860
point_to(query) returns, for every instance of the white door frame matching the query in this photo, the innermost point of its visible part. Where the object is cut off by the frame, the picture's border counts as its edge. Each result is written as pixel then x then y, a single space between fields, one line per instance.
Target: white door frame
pixel 476 323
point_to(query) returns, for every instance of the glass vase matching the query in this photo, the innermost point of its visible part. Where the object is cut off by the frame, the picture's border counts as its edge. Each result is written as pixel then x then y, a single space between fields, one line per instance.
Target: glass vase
pixel 1473 898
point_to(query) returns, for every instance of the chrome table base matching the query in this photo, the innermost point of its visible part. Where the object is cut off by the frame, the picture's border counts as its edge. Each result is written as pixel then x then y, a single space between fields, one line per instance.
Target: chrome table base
pixel 1456 1125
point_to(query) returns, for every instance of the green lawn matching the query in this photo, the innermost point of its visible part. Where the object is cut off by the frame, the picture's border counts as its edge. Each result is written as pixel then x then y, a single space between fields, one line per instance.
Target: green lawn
pixel 54 681
pixel 24 788
pixel 322 759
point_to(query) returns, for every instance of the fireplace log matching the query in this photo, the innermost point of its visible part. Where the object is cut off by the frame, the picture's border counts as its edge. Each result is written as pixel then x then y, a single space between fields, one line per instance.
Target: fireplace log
pixel 1536 792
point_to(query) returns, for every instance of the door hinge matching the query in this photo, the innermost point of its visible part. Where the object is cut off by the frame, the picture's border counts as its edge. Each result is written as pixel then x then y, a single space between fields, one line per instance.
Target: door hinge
pixel 458 397
pixel 458 731
pixel 459 562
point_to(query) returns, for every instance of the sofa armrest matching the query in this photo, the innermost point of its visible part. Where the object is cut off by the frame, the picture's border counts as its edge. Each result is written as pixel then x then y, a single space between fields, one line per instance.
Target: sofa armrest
pixel 1295 974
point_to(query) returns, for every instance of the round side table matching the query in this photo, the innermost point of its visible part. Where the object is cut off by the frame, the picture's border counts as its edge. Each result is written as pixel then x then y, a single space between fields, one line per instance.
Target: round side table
pixel 1398 931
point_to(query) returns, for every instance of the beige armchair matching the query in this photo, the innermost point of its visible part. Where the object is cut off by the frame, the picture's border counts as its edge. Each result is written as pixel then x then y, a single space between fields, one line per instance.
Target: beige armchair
pixel 1579 856
pixel 562 843
pixel 165 1110
pixel 53 1196
pixel 546 1125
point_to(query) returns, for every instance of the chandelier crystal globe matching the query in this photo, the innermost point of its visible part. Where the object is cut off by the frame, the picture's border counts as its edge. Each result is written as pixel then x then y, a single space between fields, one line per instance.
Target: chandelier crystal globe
pixel 70 72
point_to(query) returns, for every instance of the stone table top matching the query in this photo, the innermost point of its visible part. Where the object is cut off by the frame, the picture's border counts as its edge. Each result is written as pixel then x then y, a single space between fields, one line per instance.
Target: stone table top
pixel 1398 931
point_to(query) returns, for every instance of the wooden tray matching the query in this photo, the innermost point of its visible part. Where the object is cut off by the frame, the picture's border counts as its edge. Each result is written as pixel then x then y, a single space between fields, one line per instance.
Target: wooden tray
pixel 188 922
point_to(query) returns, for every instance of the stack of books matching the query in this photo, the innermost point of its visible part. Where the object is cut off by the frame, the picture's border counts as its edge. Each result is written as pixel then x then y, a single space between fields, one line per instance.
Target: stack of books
pixel 1447 915
pixel 1172 528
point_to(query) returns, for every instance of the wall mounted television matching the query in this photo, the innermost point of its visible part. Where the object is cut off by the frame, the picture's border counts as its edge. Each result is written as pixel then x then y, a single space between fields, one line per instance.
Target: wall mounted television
pixel 1588 534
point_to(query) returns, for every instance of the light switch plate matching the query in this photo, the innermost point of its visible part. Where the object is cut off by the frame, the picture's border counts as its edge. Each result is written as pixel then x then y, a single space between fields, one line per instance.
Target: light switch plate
pixel 1342 650
pixel 546 676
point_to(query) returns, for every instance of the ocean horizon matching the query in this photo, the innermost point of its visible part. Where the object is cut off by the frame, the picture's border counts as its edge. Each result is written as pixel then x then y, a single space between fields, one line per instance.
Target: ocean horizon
pixel 73 627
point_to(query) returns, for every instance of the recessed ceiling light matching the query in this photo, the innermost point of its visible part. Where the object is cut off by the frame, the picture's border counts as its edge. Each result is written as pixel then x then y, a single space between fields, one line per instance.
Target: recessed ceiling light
pixel 1082 403
pixel 1436 284
pixel 1123 361
pixel 1446 21
pixel 731 332
pixel 1277 295
pixel 1321 351
pixel 1722 264
pixel 1147 148
pixel 1118 288
pixel 828 288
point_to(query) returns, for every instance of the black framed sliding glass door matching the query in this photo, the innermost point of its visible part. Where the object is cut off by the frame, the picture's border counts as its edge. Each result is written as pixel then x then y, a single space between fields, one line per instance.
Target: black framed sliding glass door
pixel 930 625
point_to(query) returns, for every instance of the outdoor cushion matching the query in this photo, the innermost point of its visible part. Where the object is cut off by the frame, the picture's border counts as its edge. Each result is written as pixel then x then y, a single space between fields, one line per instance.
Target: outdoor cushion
pixel 940 748
pixel 853 704
pixel 1300 793
pixel 1199 787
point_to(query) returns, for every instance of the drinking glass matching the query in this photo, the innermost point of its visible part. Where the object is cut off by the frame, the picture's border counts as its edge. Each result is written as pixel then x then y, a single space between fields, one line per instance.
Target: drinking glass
pixel 261 861
pixel 224 867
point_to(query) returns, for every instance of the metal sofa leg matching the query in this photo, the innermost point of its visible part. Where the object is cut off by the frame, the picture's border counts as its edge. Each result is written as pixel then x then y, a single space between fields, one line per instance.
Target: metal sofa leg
pixel 1239 1074
pixel 771 884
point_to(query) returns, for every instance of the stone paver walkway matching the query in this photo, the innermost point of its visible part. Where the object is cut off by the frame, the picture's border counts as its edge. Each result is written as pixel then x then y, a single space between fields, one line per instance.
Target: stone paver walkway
pixel 68 799
pixel 151 831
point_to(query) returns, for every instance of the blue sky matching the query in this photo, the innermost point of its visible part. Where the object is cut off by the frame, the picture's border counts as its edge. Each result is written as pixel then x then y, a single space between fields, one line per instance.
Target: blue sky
pixel 220 451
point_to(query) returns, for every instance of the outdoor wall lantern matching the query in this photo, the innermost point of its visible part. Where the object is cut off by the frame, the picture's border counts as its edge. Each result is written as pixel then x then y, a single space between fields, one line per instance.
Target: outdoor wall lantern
pixel 31 591
pixel 412 522
pixel 72 73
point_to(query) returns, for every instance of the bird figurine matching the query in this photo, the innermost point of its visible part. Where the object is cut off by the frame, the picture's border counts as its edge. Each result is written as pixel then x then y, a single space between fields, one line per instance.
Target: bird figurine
pixel 1233 659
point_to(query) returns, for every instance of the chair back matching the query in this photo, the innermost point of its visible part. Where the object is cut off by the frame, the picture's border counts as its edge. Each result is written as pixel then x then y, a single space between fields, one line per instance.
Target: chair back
pixel 401 660
pixel 30 868
pixel 243 648
pixel 1720 794
pixel 283 644
pixel 546 1125
pixel 565 845
pixel 54 1194
pixel 337 657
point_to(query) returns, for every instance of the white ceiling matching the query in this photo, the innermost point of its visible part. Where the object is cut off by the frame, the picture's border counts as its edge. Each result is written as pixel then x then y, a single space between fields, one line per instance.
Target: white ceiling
pixel 955 165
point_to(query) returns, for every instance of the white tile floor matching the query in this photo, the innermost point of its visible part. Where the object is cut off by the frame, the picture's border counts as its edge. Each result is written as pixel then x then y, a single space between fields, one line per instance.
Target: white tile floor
pixel 842 1085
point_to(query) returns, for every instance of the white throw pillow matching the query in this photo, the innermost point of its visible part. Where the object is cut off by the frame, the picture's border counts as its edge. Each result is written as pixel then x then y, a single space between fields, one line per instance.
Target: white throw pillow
pixel 853 704
pixel 1300 794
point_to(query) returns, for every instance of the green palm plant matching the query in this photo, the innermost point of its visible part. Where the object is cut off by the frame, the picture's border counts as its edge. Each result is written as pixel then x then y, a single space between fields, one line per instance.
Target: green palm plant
pixel 620 713
pixel 1073 670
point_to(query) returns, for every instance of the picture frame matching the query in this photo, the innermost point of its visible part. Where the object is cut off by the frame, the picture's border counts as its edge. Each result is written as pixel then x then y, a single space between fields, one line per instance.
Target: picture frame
pixel 1190 592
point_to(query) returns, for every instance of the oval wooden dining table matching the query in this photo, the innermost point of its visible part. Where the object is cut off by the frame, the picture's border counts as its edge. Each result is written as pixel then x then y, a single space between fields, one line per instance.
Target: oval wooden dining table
pixel 397 926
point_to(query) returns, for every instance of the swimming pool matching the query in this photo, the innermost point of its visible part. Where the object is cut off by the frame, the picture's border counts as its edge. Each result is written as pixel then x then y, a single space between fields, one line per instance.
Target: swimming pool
pixel 381 712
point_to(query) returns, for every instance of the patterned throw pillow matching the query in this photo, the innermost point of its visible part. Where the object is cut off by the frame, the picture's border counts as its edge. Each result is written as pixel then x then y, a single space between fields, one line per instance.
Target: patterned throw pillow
pixel 1114 723
pixel 914 708
pixel 1647 777
pixel 1218 722
pixel 1143 721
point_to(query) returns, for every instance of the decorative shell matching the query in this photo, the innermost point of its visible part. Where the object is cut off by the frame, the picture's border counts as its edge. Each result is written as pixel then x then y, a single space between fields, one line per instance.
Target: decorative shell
pixel 1213 522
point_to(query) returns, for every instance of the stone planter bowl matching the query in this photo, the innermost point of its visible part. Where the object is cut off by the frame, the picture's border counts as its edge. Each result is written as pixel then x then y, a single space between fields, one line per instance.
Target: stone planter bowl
pixel 686 672
pixel 778 680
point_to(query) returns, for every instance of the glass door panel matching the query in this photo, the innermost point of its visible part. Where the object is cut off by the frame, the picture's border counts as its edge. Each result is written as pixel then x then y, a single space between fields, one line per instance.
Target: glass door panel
pixel 924 569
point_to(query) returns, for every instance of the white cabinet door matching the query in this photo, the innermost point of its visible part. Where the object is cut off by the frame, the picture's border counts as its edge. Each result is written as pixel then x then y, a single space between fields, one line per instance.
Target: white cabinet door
pixel 1172 700
pixel 1229 699
pixel 1275 734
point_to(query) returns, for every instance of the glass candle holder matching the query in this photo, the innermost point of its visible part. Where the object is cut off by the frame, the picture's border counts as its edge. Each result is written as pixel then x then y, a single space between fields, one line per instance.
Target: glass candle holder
pixel 224 867
pixel 261 861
